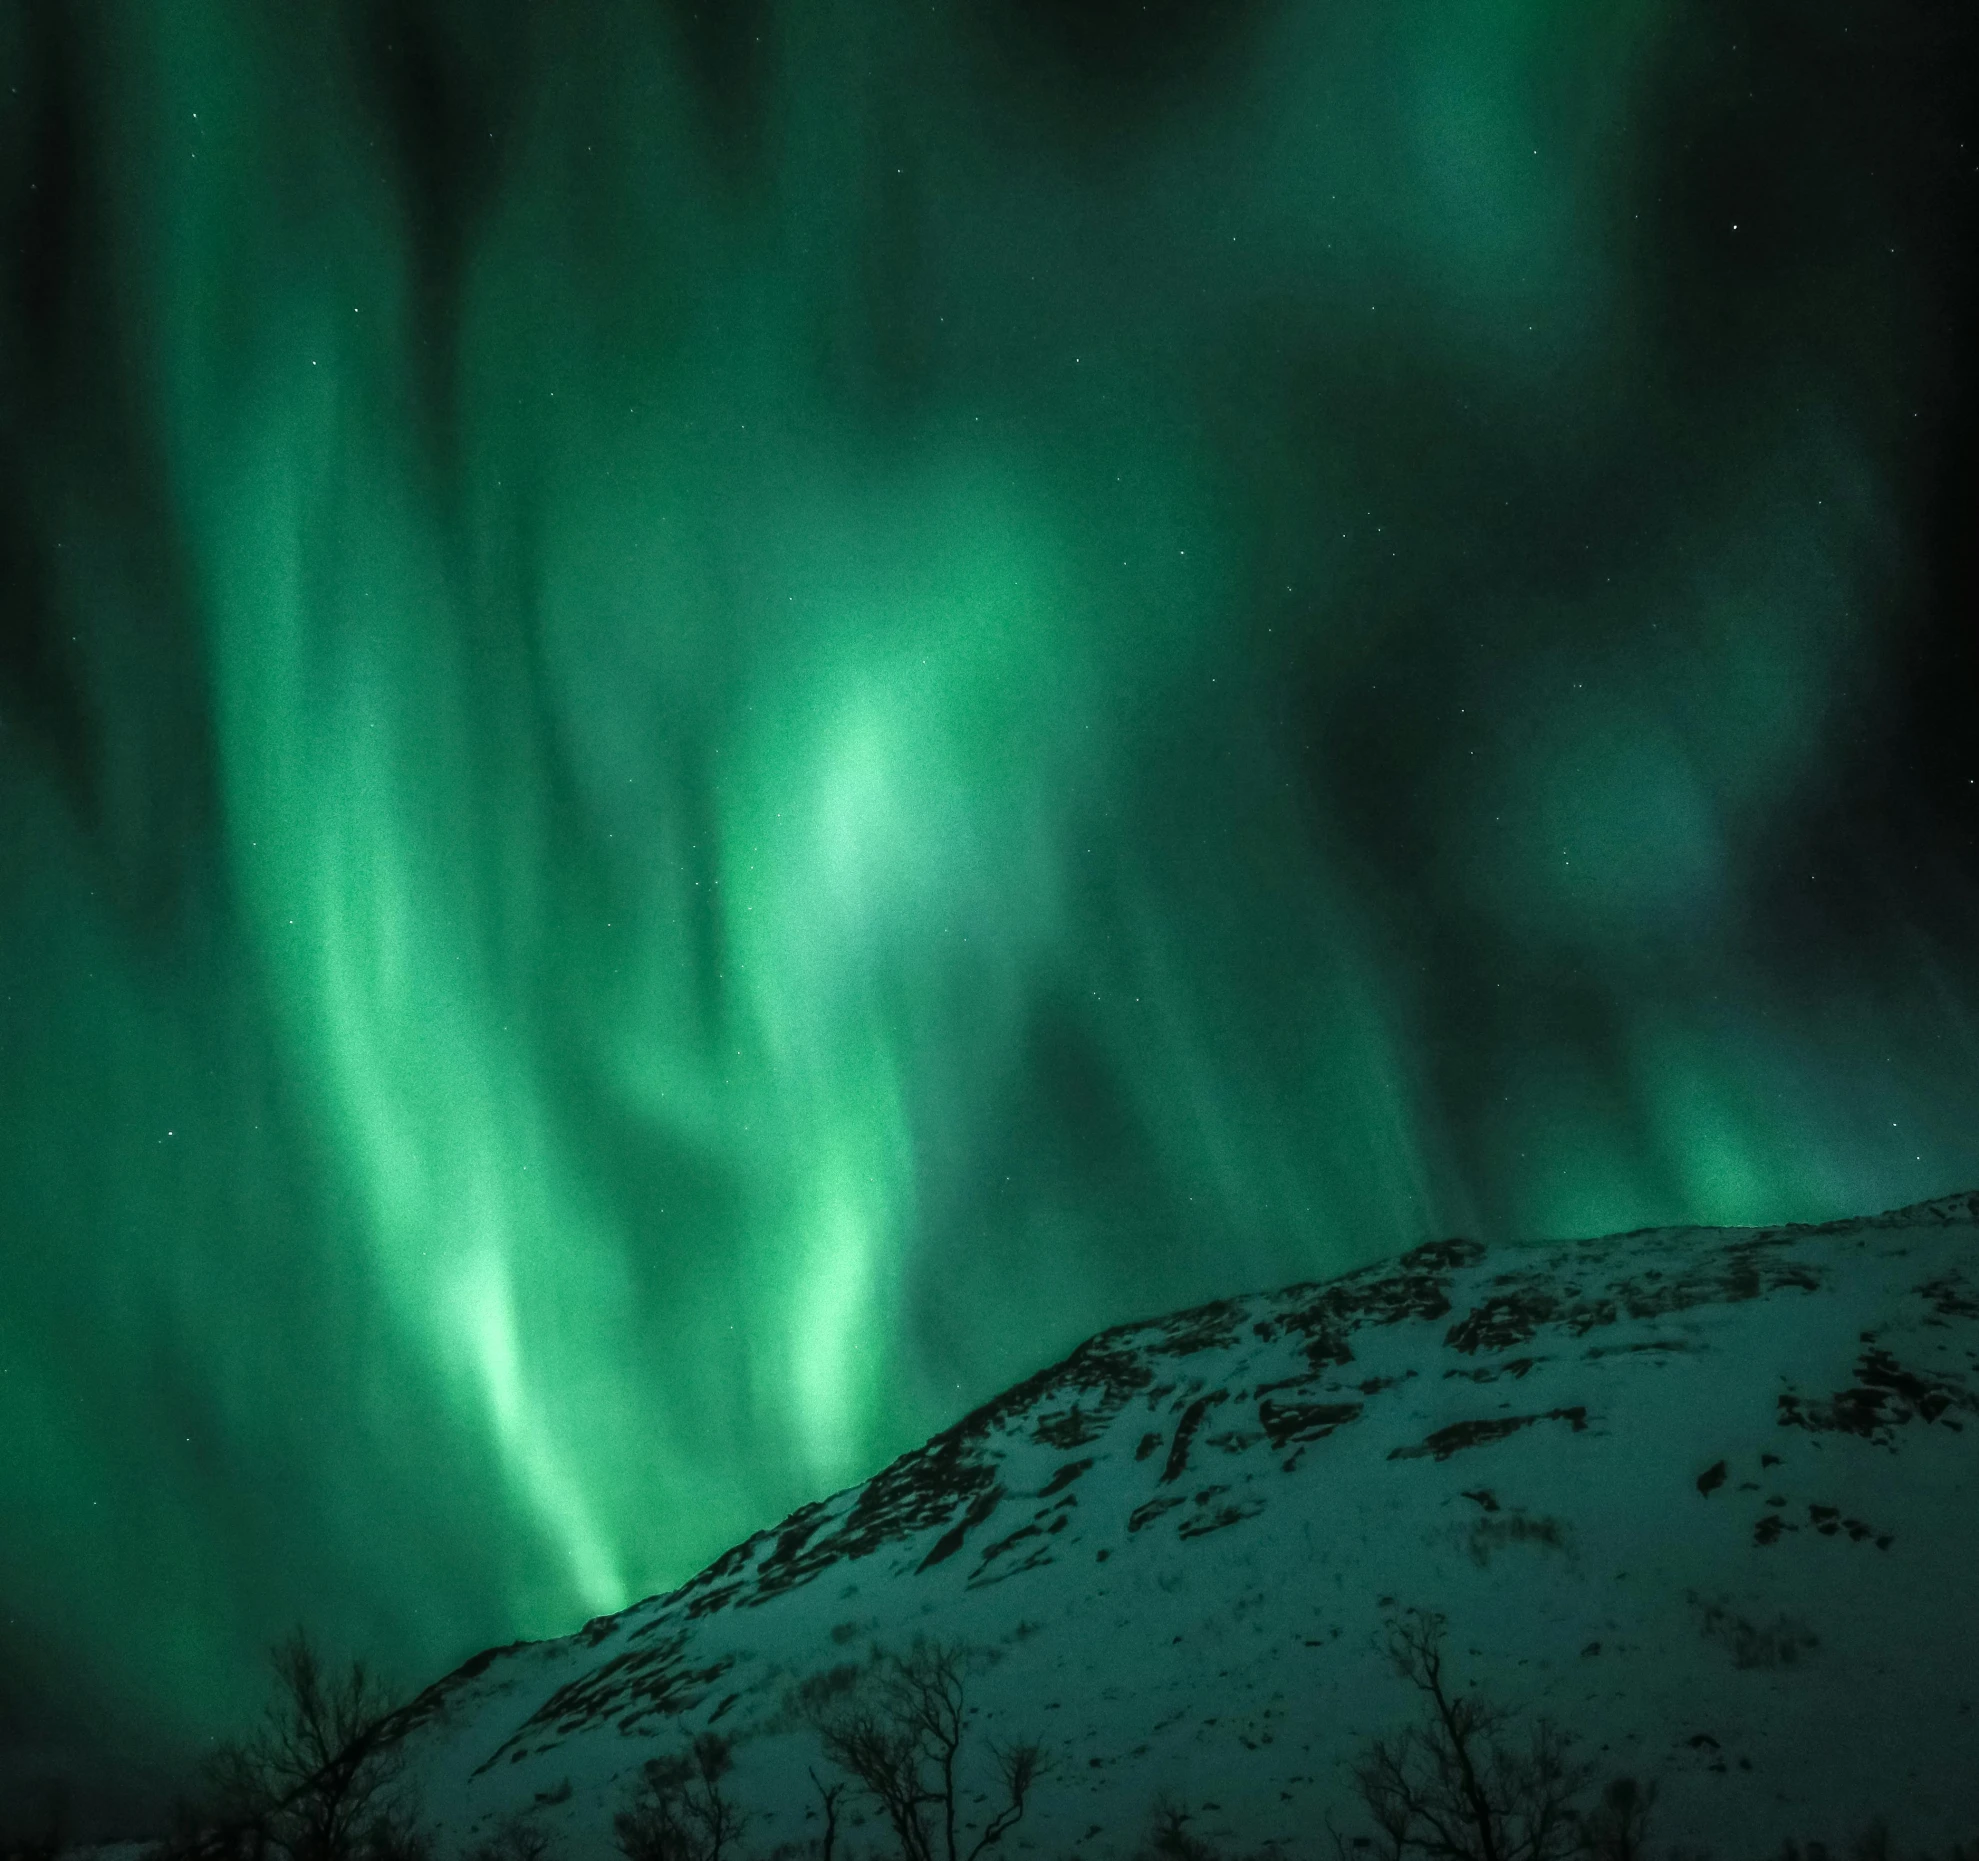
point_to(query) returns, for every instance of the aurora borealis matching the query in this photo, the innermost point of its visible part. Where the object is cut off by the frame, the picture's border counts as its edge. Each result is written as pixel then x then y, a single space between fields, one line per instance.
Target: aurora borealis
pixel 715 721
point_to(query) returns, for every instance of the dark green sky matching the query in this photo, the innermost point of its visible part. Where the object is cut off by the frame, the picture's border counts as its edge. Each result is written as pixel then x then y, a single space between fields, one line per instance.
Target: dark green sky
pixel 716 721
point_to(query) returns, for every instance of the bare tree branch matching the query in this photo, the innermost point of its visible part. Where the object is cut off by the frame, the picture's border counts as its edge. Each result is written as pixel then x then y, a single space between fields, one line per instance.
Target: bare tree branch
pixel 1456 1787
pixel 828 1797
pixel 899 1733
pixel 313 1782
pixel 681 1811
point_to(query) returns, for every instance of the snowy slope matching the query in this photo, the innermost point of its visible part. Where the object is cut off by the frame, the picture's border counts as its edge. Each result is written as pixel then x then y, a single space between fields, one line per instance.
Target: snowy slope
pixel 1709 1498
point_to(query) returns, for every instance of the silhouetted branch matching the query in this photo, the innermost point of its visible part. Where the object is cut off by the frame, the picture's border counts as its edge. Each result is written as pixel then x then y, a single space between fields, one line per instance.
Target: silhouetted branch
pixel 1456 1788
pixel 682 1812
pixel 311 1783
pixel 899 1735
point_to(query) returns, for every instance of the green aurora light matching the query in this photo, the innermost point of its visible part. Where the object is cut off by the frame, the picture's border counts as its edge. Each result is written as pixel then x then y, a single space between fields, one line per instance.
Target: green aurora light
pixel 735 725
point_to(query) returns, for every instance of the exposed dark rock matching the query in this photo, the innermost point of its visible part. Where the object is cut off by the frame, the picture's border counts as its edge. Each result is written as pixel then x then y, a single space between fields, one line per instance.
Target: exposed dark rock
pixel 1323 1315
pixel 1741 1270
pixel 1500 1323
pixel 1886 1397
pixel 1064 1477
pixel 950 1541
pixel 1951 1296
pixel 1205 1328
pixel 1185 1431
pixel 1072 1427
pixel 1208 1518
pixel 1460 1435
pixel 1286 1422
pixel 1154 1508
pixel 650 1681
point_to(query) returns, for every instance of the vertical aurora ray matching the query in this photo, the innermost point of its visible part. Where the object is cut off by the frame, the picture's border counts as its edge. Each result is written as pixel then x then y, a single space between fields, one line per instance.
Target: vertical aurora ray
pixel 717 729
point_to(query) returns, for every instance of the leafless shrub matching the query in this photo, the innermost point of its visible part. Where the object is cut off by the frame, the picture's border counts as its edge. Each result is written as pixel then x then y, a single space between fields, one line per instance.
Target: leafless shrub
pixel 1169 1837
pixel 1616 1829
pixel 681 1812
pixel 1872 1843
pixel 898 1731
pixel 1779 1643
pixel 393 1835
pixel 1487 1535
pixel 1457 1788
pixel 313 1782
pixel 518 1839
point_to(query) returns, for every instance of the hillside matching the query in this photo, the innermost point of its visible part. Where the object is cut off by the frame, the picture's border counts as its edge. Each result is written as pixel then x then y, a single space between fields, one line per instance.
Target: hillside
pixel 1708 1498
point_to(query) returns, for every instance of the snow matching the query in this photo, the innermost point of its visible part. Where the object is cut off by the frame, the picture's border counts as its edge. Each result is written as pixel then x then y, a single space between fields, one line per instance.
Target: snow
pixel 1708 1498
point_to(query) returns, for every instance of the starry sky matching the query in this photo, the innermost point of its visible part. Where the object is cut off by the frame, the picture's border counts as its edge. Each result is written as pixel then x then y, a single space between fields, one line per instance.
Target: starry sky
pixel 718 719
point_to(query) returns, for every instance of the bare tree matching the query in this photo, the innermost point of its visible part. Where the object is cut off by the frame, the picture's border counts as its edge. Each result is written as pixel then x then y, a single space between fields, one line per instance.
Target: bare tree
pixel 900 1735
pixel 681 1811
pixel 313 1782
pixel 1457 1788
pixel 322 1753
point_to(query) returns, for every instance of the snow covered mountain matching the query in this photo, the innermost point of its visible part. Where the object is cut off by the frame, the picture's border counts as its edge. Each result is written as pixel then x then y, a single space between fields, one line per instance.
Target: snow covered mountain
pixel 1707 1498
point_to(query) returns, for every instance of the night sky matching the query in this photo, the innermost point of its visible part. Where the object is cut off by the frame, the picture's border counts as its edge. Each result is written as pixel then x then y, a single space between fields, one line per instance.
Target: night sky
pixel 717 720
